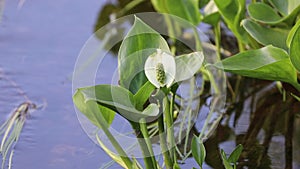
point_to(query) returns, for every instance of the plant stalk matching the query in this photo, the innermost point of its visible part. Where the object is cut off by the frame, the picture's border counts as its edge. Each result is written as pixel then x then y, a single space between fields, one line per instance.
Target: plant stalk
pixel 217 30
pixel 163 143
pixel 170 129
pixel 197 40
pixel 149 157
pixel 172 136
pixel 114 142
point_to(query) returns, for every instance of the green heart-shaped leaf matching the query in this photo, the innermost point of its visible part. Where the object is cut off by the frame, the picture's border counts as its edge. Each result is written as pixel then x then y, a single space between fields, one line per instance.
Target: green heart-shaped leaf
pixel 226 163
pixel 265 35
pixel 143 94
pixel 198 151
pixel 269 63
pixel 286 7
pixel 235 155
pixel 99 115
pixel 291 34
pixel 266 14
pixel 114 98
pixel 140 42
pixel 295 49
pixel 263 13
pixel 212 15
pixel 289 9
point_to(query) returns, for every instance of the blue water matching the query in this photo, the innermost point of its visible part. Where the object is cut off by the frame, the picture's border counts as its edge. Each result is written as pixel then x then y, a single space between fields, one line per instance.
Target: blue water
pixel 39 44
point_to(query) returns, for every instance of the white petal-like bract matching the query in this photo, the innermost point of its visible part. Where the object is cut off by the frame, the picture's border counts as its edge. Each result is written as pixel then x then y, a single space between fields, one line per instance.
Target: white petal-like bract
pixel 160 69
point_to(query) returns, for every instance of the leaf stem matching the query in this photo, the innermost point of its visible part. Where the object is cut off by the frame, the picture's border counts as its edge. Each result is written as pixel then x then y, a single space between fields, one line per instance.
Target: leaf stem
pixel 296 85
pixel 118 148
pixel 168 111
pixel 150 161
pixel 241 46
pixel 197 40
pixel 163 143
pixel 211 79
pixel 114 142
pixel 217 31
pixel 171 128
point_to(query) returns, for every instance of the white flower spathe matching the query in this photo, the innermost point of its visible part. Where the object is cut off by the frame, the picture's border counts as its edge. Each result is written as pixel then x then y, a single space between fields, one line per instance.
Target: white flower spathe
pixel 160 69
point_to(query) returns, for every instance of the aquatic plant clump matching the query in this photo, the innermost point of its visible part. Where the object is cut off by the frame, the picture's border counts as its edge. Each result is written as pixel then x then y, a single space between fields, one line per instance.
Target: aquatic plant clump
pixel 12 128
pixel 266 37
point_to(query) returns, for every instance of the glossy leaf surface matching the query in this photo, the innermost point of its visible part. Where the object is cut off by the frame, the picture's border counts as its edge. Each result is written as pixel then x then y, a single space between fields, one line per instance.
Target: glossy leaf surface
pixel 186 9
pixel 295 49
pixel 140 42
pixel 198 151
pixel 269 63
pixel 265 35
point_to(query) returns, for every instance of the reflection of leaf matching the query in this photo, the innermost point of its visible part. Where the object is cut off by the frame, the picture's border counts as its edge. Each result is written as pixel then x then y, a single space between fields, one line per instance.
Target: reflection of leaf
pixel 269 63
pixel 122 8
pixel 140 42
pixel 103 18
pixel 265 35
pixel 115 11
pixel 295 49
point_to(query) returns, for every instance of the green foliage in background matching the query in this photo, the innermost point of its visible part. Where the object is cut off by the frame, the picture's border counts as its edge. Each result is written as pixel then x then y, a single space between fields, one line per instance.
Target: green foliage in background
pixel 268 42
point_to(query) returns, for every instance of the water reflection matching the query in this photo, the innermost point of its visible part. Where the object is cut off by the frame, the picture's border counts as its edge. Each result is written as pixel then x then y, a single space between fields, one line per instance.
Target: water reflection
pixel 39 44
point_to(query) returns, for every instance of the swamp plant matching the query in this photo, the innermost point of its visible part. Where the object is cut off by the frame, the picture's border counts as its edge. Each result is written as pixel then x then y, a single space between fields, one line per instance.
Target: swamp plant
pixel 268 40
pixel 12 127
pixel 158 82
